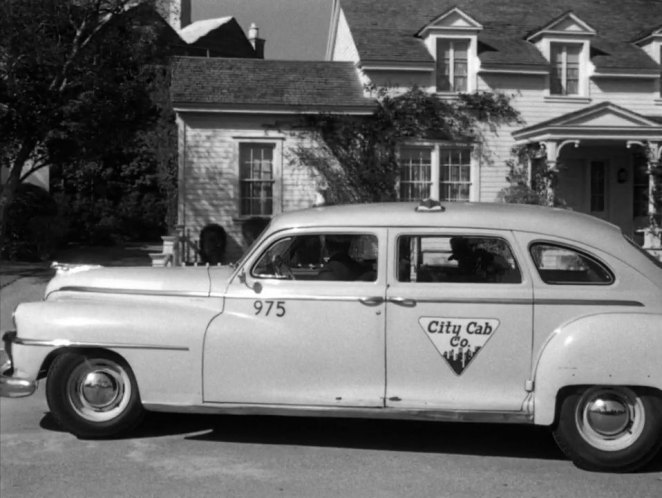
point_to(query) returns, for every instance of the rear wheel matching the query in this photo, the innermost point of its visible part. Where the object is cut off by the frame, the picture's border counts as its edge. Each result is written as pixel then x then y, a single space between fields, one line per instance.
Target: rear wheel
pixel 610 428
pixel 93 395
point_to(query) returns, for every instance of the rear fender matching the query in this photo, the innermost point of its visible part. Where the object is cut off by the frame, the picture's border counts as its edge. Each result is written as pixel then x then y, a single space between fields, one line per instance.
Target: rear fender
pixel 601 349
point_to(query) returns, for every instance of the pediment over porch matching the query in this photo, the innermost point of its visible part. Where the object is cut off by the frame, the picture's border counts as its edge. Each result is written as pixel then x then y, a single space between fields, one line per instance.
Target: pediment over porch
pixel 603 121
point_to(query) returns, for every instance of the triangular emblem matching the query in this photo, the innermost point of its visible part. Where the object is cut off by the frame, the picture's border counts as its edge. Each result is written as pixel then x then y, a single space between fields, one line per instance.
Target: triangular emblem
pixel 458 340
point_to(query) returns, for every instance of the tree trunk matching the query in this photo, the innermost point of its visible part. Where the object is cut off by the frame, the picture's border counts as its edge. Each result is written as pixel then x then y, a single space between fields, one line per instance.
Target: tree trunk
pixel 8 191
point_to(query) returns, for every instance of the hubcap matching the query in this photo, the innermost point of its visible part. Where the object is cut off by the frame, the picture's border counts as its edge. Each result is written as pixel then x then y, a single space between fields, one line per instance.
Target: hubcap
pixel 610 418
pixel 608 415
pixel 99 389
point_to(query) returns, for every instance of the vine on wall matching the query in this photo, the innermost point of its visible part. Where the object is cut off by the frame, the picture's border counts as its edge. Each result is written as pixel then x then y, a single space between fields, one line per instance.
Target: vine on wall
pixel 531 179
pixel 356 158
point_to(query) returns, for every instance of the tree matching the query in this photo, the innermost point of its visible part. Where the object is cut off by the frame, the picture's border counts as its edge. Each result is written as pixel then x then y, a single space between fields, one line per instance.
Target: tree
pixel 76 80
pixel 358 158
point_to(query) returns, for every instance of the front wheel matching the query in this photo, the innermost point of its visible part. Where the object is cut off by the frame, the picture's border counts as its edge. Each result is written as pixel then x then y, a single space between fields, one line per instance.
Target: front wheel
pixel 93 395
pixel 610 428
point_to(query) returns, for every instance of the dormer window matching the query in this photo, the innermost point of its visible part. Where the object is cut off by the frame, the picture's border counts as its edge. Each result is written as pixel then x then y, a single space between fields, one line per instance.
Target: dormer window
pixel 452 64
pixel 565 42
pixel 452 40
pixel 565 59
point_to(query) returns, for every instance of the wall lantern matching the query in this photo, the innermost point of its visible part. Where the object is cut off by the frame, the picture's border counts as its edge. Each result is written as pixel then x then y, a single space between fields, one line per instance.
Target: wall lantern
pixel 622 175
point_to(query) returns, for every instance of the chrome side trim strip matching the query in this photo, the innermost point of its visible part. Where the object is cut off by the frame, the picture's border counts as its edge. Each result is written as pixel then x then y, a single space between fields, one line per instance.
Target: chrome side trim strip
pixel 349 412
pixel 588 302
pixel 539 302
pixel 135 292
pixel 474 300
pixel 298 298
pixel 66 343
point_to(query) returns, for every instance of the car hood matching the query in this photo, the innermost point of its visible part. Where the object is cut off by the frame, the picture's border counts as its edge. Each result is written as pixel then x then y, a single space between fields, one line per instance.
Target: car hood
pixel 138 280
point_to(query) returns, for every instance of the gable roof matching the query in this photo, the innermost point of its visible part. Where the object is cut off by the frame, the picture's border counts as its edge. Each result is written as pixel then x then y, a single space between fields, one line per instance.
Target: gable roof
pixel 604 120
pixel 385 31
pixel 274 85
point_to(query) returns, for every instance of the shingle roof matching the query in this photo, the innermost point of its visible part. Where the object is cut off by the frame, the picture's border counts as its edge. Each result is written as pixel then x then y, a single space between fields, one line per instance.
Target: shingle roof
pixel 384 30
pixel 255 83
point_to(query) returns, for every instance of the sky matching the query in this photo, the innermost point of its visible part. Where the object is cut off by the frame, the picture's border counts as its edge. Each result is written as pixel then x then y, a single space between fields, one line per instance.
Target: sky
pixel 293 29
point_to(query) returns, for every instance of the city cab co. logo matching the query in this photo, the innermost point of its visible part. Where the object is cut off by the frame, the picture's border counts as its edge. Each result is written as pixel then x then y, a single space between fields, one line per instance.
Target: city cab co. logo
pixel 459 340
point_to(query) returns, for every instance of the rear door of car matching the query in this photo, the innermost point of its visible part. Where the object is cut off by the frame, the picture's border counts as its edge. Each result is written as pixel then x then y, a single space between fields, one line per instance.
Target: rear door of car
pixel 457 341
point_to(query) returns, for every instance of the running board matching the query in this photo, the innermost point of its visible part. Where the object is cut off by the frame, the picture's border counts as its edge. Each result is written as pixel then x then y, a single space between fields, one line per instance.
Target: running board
pixel 492 417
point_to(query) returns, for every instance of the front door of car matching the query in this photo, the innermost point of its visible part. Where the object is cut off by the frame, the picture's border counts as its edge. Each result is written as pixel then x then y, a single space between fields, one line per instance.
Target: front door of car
pixel 459 321
pixel 291 335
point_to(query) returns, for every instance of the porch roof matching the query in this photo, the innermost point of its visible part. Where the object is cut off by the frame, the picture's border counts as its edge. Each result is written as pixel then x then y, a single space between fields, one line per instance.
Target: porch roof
pixel 603 121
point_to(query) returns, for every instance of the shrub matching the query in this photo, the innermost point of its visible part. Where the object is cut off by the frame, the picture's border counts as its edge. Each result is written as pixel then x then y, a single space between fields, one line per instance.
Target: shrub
pixel 33 228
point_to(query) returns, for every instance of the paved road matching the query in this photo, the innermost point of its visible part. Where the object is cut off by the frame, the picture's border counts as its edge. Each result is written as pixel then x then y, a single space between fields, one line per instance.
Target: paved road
pixel 225 456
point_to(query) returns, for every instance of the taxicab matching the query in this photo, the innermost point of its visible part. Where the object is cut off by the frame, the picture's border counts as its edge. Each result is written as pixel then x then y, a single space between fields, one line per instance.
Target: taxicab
pixel 463 312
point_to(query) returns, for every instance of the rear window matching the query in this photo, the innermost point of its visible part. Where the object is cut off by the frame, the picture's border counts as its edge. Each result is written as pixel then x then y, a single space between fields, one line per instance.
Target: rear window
pixel 558 264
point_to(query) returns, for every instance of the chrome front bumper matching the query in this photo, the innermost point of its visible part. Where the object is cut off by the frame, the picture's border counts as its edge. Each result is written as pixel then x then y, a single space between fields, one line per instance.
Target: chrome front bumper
pixel 15 387
pixel 12 386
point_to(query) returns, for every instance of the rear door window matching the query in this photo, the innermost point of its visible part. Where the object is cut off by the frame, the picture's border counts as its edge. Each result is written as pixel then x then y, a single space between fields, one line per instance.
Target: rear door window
pixel 456 258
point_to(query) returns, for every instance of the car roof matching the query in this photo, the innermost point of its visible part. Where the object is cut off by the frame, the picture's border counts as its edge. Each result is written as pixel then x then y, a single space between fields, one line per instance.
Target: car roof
pixel 496 216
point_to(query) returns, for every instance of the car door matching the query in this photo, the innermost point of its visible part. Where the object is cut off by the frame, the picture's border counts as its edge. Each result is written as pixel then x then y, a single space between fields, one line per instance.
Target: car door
pixel 287 337
pixel 459 321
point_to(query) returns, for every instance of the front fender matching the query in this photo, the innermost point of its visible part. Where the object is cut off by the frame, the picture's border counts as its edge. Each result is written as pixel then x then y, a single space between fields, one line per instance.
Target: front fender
pixel 160 339
pixel 604 349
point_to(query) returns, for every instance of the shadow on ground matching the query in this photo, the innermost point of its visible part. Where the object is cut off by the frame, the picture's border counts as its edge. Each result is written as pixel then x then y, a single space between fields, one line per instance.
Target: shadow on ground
pixel 496 440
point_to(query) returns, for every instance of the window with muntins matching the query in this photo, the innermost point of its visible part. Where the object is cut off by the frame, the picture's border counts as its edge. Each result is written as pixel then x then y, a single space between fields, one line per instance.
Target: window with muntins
pixel 452 65
pixel 415 173
pixel 437 172
pixel 455 165
pixel 256 171
pixel 565 59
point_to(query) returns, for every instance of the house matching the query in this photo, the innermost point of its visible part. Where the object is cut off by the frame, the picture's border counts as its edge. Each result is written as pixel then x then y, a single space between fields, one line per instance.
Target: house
pixel 584 74
pixel 237 160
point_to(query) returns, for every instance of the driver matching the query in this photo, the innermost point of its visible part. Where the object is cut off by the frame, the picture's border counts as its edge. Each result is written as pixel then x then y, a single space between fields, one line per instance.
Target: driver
pixel 340 265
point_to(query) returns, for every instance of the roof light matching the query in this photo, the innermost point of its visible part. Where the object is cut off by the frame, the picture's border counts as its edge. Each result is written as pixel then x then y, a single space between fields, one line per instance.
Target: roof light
pixel 429 205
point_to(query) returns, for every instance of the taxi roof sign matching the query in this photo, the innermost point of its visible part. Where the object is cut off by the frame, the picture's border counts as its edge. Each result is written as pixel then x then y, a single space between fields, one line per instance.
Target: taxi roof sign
pixel 430 205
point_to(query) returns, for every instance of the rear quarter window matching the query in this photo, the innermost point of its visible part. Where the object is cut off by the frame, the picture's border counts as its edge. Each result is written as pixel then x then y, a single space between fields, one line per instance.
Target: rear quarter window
pixel 562 265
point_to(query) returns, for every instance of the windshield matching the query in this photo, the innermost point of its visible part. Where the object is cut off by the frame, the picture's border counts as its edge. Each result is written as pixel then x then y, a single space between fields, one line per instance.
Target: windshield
pixel 648 255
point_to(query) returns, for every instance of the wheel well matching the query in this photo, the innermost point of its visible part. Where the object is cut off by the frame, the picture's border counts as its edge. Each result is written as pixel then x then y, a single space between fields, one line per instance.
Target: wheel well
pixel 48 361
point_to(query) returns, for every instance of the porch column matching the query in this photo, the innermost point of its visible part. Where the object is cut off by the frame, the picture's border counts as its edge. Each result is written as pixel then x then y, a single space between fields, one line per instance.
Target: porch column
pixel 553 149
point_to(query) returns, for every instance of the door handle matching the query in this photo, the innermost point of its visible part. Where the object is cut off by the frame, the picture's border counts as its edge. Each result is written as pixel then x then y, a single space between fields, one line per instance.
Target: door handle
pixel 372 301
pixel 402 301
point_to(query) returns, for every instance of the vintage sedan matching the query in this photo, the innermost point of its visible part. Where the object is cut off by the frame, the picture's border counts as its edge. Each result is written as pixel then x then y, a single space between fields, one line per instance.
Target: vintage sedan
pixel 457 312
